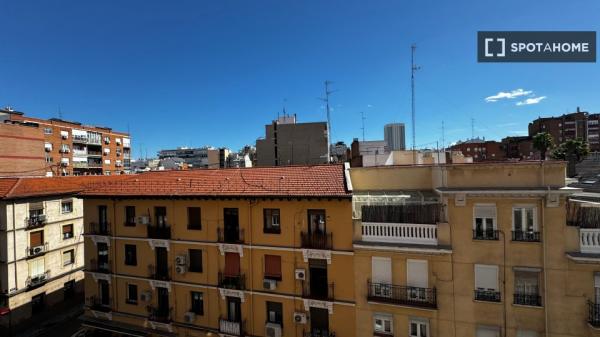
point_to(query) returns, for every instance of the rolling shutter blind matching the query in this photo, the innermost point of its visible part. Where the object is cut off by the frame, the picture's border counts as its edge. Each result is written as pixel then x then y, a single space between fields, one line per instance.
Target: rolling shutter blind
pixel 36 238
pixel 36 267
pixel 232 264
pixel 486 277
pixel 67 229
pixel 488 332
pixel 36 205
pixel 416 273
pixel 485 211
pixel 381 270
pixel 273 265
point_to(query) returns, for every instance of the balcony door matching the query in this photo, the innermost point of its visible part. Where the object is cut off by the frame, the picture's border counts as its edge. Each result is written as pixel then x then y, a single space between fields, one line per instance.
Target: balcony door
pixel 319 322
pixel 234 309
pixel 318 278
pixel 381 276
pixel 103 218
pixel 316 222
pixel 162 301
pixel 417 279
pixel 162 263
pixel 104 292
pixel 102 256
pixel 231 223
pixel 160 215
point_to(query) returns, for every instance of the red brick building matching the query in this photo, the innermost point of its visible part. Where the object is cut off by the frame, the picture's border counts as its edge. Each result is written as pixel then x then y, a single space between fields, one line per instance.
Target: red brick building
pixel 21 151
pixel 576 125
pixel 480 149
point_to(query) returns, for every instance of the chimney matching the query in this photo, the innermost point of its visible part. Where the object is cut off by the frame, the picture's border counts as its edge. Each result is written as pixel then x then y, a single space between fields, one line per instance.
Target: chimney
pixel 578 109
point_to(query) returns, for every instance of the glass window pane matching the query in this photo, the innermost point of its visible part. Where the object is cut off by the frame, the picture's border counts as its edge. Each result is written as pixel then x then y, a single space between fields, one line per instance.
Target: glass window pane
pixel 518 218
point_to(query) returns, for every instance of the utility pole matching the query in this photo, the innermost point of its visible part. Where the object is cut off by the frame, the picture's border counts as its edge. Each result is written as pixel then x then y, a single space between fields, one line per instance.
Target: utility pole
pixel 362 117
pixel 413 69
pixel 326 100
pixel 443 137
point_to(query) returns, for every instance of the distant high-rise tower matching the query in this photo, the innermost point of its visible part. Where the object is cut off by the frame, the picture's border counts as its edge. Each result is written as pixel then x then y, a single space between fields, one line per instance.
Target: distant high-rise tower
pixel 393 134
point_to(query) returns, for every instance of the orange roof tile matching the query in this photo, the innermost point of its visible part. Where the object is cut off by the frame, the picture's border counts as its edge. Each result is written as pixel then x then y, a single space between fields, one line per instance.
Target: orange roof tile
pixel 23 187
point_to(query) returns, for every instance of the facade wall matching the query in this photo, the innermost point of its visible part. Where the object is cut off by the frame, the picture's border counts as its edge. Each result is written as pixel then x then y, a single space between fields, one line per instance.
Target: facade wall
pixel 21 151
pixel 293 144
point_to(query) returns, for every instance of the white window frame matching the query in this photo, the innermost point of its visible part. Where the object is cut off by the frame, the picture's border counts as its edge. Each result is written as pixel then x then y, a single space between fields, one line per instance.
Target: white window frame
pixel 383 318
pixel 72 256
pixel 494 218
pixel 524 209
pixel 385 288
pixel 65 202
pixel 420 324
pixel 36 262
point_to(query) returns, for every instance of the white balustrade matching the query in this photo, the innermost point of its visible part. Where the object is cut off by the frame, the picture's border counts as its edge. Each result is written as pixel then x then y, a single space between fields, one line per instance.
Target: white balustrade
pixel 589 240
pixel 422 234
pixel 229 327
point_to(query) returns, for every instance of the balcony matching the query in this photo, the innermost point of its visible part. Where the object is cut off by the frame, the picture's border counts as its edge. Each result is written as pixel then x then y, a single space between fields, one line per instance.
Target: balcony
pixel 525 236
pixel 316 240
pixel 94 165
pixel 100 267
pixel 37 250
pixel 155 232
pixel 237 282
pixel 160 315
pixel 232 328
pixel 402 295
pixel 35 221
pixel 99 228
pixel 235 236
pixel 594 314
pixel 80 139
pixel 487 295
pixel 321 292
pixel 98 303
pixel 488 234
pixel 162 274
pixel 93 153
pixel 528 299
pixel 80 164
pixel 420 234
pixel 582 216
pixel 324 334
pixel 589 240
pixel 37 280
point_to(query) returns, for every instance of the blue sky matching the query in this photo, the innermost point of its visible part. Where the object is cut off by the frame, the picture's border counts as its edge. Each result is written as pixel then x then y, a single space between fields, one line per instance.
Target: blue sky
pixel 214 72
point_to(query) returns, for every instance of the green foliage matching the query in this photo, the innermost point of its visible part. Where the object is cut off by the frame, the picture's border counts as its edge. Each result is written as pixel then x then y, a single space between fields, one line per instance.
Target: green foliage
pixel 573 150
pixel 543 142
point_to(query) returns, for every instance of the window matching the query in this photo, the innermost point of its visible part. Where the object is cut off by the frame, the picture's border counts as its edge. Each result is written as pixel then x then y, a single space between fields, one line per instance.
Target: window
pixel 67 231
pixel 47 131
pixel 36 268
pixel 273 267
pixel 195 260
pixel 132 294
pixel 271 221
pixel 36 239
pixel 69 289
pixel 274 312
pixel 525 224
pixel 527 286
pixel 486 283
pixel 419 328
pixel 316 221
pixel 381 276
pixel 66 206
pixel 382 324
pixel 194 218
pixel 68 257
pixel 129 215
pixel 130 255
pixel 160 214
pixel 417 279
pixel 597 288
pixel 484 222
pixel 197 303
pixel 487 331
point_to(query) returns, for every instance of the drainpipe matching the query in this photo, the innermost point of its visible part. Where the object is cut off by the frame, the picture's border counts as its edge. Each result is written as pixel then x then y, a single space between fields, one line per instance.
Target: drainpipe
pixel 14 227
pixel 544 245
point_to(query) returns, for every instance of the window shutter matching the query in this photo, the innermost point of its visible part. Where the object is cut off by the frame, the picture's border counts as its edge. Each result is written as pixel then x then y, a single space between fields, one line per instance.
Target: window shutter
pixel 273 265
pixel 36 205
pixel 597 280
pixel 67 229
pixel 36 238
pixel 232 264
pixel 381 270
pixel 486 277
pixel 36 267
pixel 417 273
pixel 485 211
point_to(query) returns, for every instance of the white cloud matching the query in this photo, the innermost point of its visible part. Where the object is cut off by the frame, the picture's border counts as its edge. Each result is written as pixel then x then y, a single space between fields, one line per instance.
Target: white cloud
pixel 369 106
pixel 529 101
pixel 508 95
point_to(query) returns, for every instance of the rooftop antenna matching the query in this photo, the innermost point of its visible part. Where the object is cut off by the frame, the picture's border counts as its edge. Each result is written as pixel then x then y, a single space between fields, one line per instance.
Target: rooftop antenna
pixel 59 113
pixel 472 128
pixel 362 117
pixel 443 137
pixel 414 69
pixel 326 100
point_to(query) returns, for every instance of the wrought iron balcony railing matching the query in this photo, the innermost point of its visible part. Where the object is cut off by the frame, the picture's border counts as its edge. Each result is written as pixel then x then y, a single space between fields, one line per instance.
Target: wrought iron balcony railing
pixel 96 228
pixel 594 314
pixel 526 236
pixel 237 282
pixel 160 314
pixel 318 333
pixel 487 295
pixel 488 234
pixel 403 295
pixel 232 328
pixel 98 303
pixel 323 292
pixel 230 236
pixel 34 251
pixel 37 280
pixel 316 240
pixel 100 267
pixel 155 232
pixel 35 221
pixel 162 273
pixel 528 299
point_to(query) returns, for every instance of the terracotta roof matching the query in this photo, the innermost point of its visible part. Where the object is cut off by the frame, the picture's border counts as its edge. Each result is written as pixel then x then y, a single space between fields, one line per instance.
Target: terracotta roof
pixel 317 180
pixel 23 187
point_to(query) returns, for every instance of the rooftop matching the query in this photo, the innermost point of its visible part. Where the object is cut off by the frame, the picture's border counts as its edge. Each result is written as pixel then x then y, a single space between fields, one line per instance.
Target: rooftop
pixel 25 187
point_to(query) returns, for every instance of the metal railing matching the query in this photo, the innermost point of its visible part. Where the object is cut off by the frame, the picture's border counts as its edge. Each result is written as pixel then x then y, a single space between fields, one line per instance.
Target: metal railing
pixel 231 327
pixel 230 236
pixel 232 281
pixel 161 274
pixel 323 292
pixel 593 314
pixel 37 250
pixel 100 267
pixel 316 240
pixel 403 295
pixel 35 221
pixel 488 234
pixel 409 213
pixel 528 299
pixel 158 314
pixel 318 333
pixel 155 232
pixel 37 280
pixel 487 295
pixel 526 236
pixel 99 228
pixel 97 303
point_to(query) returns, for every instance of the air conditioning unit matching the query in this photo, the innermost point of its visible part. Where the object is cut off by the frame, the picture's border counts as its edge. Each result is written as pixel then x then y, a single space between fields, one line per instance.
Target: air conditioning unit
pixel 272 330
pixel 300 274
pixel 38 249
pixel 41 217
pixel 269 284
pixel 180 269
pixel 189 317
pixel 180 260
pixel 300 318
pixel 144 220
pixel 146 296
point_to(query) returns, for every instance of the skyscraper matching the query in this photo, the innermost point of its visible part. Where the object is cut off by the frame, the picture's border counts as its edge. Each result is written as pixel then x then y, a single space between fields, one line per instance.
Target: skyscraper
pixel 394 136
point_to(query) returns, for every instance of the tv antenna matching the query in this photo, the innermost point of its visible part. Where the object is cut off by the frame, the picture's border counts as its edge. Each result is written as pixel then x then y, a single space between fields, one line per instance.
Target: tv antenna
pixel 362 117
pixel 326 100
pixel 413 69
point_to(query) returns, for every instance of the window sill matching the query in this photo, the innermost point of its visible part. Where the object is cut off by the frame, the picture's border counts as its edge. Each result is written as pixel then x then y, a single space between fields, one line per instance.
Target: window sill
pixel 489 302
pixel 194 271
pixel 528 306
pixel 271 232
pixel 193 228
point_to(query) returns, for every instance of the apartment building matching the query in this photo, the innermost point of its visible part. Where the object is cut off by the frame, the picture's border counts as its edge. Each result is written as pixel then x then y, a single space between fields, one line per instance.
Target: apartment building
pixel 41 246
pixel 473 250
pixel 72 148
pixel 21 151
pixel 480 149
pixel 263 251
pixel 576 125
